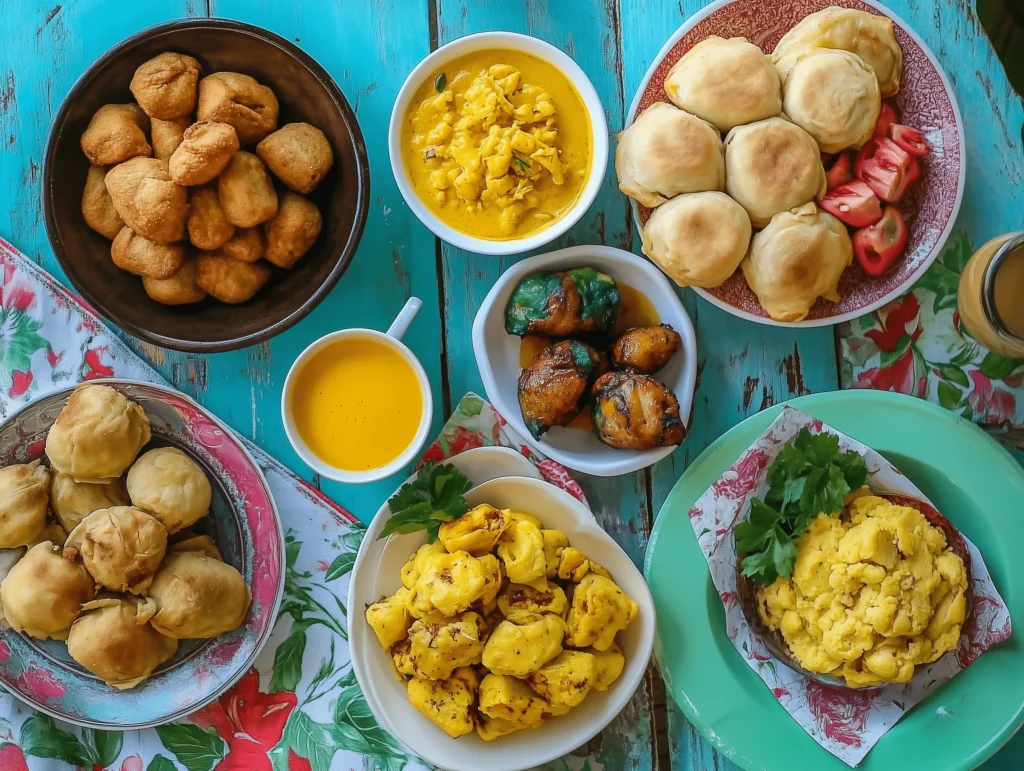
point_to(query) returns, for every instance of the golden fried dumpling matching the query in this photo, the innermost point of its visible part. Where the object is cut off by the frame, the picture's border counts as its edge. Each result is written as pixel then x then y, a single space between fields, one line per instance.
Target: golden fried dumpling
pixel 24 495
pixel 208 228
pixel 868 35
pixel 555 542
pixel 180 289
pixel 433 650
pixel 97 434
pixel 834 97
pixel 227 279
pixel 198 597
pixel 477 531
pixel 521 548
pixel 116 133
pixel 523 643
pixel 122 547
pixel 145 258
pixel 667 151
pixel 97 207
pixel 566 680
pixel 246 192
pixel 599 611
pixel 449 583
pixel 201 543
pixel 113 641
pixel 73 501
pixel 726 82
pixel 448 703
pixel 206 148
pixel 772 166
pixel 525 599
pixel 608 665
pixel 168 484
pixel 165 86
pixel 167 135
pixel 698 239
pixel 298 154
pixel 148 200
pixel 230 97
pixel 796 259
pixel 43 594
pixel 292 231
pixel 390 619
pixel 512 700
pixel 417 562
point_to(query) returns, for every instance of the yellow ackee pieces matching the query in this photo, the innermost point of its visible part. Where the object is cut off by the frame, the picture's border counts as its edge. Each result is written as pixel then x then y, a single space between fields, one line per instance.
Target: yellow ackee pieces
pixel 600 609
pixel 449 703
pixel 523 643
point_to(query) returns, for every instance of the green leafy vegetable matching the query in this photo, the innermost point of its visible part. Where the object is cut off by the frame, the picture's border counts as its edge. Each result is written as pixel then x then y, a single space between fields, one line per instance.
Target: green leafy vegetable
pixel 521 163
pixel 809 477
pixel 437 495
pixel 439 82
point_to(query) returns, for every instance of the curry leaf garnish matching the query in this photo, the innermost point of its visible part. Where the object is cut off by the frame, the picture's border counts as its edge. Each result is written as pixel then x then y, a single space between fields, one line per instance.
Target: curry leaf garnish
pixel 810 476
pixel 520 162
pixel 436 495
pixel 440 82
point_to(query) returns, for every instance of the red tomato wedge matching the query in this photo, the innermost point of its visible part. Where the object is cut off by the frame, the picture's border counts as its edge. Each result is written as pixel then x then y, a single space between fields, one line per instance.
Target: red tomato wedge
pixel 879 246
pixel 886 168
pixel 854 204
pixel 909 139
pixel 841 170
pixel 886 118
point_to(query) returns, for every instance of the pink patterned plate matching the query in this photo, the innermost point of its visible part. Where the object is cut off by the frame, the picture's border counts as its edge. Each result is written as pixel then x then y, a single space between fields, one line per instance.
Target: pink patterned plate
pixel 925 101
pixel 242 520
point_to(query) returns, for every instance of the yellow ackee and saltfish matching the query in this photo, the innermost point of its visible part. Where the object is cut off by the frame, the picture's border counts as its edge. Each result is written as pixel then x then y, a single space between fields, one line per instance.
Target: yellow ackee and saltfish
pixel 501 147
pixel 486 636
pixel 873 594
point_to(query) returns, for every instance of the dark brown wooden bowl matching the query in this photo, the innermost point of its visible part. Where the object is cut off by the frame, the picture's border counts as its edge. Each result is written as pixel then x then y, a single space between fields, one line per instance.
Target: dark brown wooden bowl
pixel 306 93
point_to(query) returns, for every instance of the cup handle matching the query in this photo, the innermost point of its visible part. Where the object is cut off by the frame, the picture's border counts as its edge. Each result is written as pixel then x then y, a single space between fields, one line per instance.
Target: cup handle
pixel 404 318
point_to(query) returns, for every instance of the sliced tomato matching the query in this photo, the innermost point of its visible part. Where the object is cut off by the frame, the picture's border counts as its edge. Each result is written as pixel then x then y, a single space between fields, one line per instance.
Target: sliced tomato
pixel 886 168
pixel 853 203
pixel 879 246
pixel 886 117
pixel 913 172
pixel 841 170
pixel 909 139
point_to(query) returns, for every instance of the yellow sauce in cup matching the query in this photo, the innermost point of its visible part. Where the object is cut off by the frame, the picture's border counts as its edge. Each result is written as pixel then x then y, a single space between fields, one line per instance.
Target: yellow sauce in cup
pixel 357 404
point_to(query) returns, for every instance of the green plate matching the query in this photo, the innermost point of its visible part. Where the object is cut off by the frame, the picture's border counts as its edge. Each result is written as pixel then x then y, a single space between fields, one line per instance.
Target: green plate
pixel 969 477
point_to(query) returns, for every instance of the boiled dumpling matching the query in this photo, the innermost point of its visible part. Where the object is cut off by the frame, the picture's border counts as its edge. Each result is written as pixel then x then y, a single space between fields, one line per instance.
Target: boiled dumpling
pixel 97 435
pixel 23 500
pixel 171 486
pixel 796 259
pixel 725 82
pixel 113 641
pixel 43 594
pixel 667 151
pixel 121 547
pixel 198 597
pixel 73 501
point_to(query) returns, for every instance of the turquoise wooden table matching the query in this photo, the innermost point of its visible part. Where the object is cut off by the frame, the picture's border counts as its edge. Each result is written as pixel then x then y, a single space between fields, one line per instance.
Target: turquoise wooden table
pixel 369 46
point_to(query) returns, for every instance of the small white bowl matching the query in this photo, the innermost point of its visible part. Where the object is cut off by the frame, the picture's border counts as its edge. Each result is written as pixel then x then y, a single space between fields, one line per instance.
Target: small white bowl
pixel 376 573
pixel 497 41
pixel 497 356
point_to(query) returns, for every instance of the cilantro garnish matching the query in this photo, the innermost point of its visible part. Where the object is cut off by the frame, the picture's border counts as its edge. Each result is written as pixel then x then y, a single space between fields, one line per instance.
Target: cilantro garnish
pixel 436 495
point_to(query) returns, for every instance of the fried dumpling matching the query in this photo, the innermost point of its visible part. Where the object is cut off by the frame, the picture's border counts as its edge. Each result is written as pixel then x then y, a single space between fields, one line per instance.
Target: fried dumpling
pixel 833 95
pixel 73 501
pixel 122 547
pixel 43 594
pixel 726 82
pixel 796 259
pixel 198 597
pixel 201 543
pixel 698 239
pixel 97 435
pixel 633 411
pixel 168 484
pixel 772 166
pixel 114 642
pixel 23 500
pixel 870 36
pixel 667 151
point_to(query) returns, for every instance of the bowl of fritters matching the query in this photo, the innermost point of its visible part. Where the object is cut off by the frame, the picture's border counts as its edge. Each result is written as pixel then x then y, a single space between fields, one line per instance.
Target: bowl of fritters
pixel 180 194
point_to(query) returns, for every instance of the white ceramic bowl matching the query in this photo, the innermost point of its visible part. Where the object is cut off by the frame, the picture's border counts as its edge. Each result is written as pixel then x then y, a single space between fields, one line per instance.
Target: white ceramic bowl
pixel 376 573
pixel 434 63
pixel 497 356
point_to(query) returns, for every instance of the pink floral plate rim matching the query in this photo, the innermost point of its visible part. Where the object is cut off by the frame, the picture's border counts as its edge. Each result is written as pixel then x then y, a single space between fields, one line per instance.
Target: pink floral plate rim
pixel 861 295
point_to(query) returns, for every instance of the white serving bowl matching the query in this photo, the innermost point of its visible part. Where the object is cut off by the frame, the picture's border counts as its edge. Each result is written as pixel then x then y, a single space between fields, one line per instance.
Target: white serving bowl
pixel 376 573
pixel 434 63
pixel 497 356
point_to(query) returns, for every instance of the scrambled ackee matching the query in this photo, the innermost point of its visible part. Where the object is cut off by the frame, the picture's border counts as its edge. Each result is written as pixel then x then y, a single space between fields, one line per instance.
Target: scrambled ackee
pixel 501 625
pixel 488 149
pixel 874 594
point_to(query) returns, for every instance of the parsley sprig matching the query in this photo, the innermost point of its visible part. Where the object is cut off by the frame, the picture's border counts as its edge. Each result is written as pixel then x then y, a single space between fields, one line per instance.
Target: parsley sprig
pixel 809 477
pixel 436 495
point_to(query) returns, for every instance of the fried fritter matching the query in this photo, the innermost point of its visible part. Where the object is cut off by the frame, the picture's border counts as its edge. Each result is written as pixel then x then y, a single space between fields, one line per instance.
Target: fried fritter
pixel 165 86
pixel 205 150
pixel 578 301
pixel 229 280
pixel 138 255
pixel 292 231
pixel 148 200
pixel 97 208
pixel 298 154
pixel 230 97
pixel 646 349
pixel 246 245
pixel 246 191
pixel 552 388
pixel 116 133
pixel 179 289
pixel 633 411
pixel 207 226
pixel 166 135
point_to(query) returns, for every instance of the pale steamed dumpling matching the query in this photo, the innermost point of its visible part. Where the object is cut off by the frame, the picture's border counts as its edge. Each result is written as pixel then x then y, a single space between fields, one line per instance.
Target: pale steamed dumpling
pixel 772 166
pixel 796 259
pixel 198 597
pixel 870 36
pixel 121 547
pixel 23 501
pixel 43 593
pixel 73 501
pixel 725 82
pixel 171 486
pixel 97 435
pixel 113 641
pixel 667 151
pixel 698 239
pixel 834 97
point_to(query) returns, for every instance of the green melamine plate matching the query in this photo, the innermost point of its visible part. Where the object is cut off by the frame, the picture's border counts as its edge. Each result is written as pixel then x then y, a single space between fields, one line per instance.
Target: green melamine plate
pixel 969 477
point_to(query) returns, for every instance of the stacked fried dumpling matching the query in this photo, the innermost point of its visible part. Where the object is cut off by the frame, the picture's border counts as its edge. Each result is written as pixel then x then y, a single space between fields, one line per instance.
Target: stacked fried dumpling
pixel 501 625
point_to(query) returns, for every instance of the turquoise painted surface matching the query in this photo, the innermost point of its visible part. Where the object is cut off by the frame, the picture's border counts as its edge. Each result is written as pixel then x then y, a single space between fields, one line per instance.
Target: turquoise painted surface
pixel 368 46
